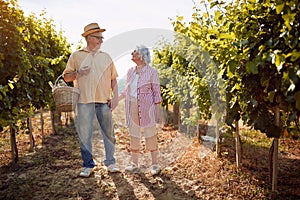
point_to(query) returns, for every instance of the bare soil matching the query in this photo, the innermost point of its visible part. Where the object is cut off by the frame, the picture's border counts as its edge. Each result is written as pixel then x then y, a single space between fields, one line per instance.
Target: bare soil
pixel 191 170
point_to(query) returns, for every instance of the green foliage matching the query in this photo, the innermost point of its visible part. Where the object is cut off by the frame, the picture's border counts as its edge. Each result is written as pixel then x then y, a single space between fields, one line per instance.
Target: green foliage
pixel 188 77
pixel 268 76
pixel 255 49
pixel 32 53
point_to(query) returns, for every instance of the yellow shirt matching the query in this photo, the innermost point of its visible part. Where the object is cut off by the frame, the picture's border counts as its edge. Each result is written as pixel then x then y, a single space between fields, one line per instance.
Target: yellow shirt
pixel 95 86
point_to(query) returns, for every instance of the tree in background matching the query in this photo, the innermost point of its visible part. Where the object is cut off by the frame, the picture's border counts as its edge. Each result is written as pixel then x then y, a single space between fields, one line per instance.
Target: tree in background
pixel 255 48
pixel 188 79
pixel 32 53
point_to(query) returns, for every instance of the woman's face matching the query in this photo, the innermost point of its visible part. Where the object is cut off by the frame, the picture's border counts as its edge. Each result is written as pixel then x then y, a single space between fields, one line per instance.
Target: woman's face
pixel 135 56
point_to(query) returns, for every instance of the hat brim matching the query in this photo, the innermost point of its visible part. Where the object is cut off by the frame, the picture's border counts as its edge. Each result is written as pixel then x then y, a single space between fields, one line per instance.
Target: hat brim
pixel 92 31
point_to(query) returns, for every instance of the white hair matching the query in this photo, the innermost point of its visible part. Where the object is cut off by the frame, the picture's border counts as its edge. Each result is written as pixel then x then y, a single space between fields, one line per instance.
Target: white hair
pixel 144 53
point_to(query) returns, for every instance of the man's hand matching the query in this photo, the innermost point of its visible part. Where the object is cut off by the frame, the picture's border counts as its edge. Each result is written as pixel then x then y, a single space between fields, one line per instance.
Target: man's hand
pixel 69 77
pixel 84 70
pixel 113 103
pixel 115 100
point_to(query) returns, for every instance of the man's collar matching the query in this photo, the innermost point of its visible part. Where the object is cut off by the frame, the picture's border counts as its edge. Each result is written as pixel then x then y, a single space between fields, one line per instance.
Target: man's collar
pixel 87 50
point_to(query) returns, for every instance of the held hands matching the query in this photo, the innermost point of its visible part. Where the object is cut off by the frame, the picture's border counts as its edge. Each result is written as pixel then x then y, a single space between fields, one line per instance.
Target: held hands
pixel 113 103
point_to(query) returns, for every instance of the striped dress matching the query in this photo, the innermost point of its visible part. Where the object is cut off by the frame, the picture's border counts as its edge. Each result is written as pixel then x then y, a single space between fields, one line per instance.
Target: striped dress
pixel 148 94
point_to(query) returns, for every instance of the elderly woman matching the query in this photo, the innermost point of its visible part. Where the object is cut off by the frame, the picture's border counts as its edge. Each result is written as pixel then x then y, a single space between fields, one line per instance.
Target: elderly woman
pixel 142 99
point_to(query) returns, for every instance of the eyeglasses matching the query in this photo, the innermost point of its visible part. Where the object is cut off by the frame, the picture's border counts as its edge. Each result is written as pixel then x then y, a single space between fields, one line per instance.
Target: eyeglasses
pixel 98 37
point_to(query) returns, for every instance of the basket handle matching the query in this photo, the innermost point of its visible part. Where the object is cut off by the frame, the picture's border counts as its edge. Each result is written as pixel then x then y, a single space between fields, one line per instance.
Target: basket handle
pixel 55 84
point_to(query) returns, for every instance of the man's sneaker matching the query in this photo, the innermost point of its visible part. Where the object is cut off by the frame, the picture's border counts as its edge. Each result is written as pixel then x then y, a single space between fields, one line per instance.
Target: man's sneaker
pixel 113 168
pixel 86 172
pixel 155 169
pixel 133 168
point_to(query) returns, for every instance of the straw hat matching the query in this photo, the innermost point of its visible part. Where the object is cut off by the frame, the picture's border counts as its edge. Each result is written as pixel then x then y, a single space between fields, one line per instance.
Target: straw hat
pixel 91 28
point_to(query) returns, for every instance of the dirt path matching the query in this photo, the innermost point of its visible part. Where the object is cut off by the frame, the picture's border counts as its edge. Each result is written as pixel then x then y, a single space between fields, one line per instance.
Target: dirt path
pixel 190 171
pixel 169 151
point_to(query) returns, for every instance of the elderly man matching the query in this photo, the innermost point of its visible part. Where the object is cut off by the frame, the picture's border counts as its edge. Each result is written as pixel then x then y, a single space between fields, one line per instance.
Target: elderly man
pixel 94 73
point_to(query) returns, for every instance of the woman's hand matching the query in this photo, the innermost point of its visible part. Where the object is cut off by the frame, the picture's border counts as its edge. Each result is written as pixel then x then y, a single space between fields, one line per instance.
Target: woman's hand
pixel 113 103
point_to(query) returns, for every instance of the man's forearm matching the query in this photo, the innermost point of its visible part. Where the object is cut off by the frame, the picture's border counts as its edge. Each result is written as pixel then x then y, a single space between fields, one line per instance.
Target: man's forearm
pixel 114 87
pixel 69 77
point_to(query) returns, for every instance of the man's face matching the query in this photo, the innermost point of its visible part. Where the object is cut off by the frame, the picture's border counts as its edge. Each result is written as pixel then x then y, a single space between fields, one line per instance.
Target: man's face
pixel 95 39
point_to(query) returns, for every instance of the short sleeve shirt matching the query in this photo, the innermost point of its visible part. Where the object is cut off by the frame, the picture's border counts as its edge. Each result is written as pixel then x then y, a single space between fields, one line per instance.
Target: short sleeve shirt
pixel 94 87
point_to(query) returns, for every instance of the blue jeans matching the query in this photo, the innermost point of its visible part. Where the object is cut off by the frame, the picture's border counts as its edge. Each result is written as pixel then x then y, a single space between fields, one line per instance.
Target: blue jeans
pixel 86 113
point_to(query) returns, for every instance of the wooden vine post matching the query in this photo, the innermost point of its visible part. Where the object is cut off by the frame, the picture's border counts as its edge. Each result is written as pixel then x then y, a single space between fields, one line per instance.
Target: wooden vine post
pixel 218 148
pixel 275 156
pixel 238 146
pixel 31 138
pixel 42 124
pixel 13 144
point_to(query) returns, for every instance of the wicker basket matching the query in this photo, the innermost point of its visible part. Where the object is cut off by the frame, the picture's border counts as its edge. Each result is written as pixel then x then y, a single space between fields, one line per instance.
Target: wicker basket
pixel 65 97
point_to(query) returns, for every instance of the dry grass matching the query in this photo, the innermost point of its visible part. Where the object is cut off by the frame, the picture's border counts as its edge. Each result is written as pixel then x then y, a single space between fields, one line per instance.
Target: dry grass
pixel 51 172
